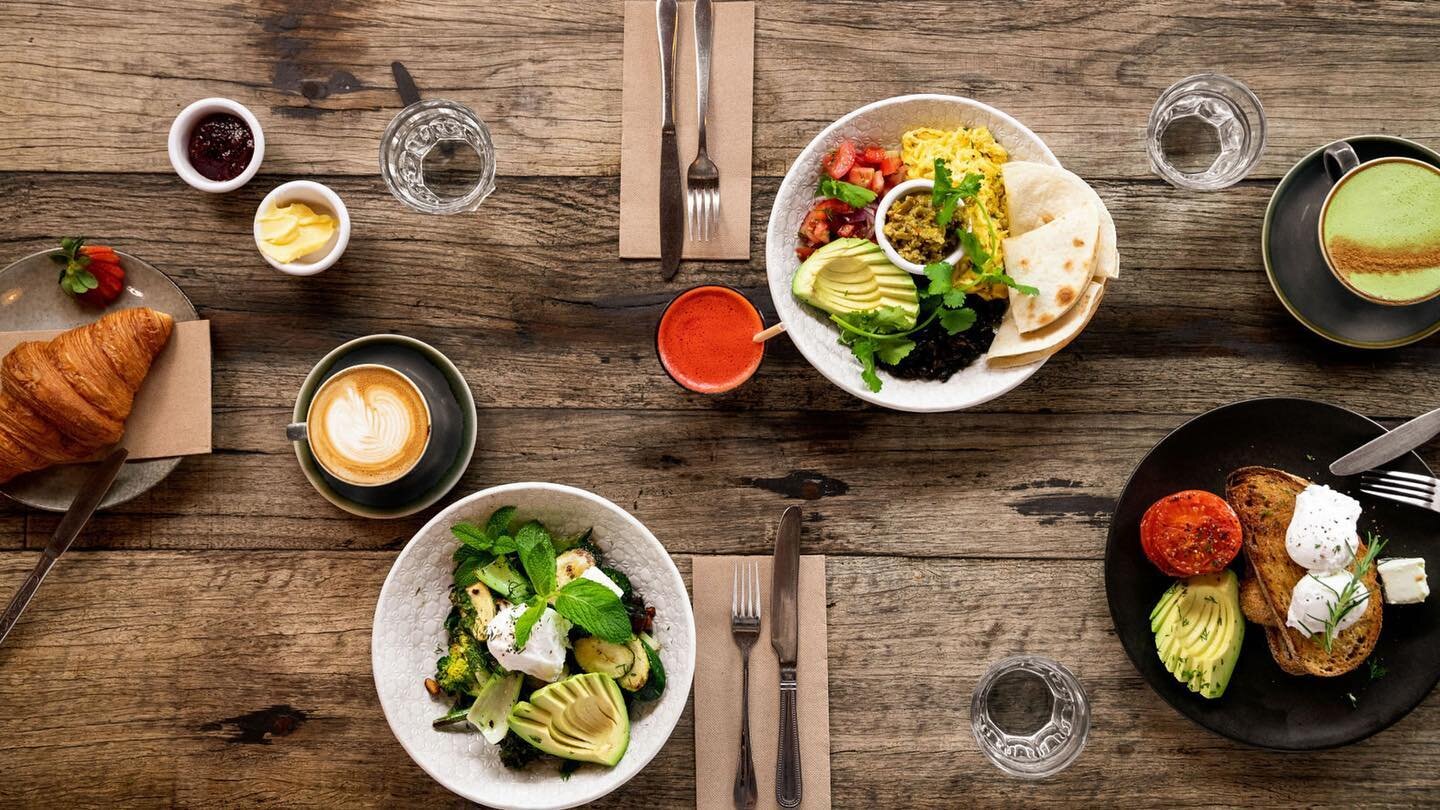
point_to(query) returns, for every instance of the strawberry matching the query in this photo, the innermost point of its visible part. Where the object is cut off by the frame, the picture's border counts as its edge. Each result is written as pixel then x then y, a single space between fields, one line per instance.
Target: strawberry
pixel 89 273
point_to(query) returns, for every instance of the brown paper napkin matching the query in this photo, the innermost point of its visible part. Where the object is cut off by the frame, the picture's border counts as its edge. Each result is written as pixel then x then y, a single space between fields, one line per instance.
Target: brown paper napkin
pixel 732 72
pixel 171 416
pixel 717 687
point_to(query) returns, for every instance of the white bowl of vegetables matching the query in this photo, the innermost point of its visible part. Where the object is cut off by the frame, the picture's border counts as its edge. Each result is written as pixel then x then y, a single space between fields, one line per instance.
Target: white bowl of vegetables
pixel 533 647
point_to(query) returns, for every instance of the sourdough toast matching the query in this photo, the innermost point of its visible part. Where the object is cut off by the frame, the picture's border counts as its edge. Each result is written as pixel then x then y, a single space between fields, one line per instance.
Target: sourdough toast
pixel 1264 498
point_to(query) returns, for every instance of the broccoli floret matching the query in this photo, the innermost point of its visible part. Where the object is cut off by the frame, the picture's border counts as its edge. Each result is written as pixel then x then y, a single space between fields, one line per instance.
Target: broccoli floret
pixel 463 668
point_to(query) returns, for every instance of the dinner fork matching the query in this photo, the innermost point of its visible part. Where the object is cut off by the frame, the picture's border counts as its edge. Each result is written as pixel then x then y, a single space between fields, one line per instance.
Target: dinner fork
pixel 745 627
pixel 1403 487
pixel 702 179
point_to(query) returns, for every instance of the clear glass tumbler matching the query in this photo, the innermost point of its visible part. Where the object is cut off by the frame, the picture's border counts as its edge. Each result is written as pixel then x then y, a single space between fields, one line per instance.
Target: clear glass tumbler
pixel 1206 132
pixel 1030 716
pixel 437 158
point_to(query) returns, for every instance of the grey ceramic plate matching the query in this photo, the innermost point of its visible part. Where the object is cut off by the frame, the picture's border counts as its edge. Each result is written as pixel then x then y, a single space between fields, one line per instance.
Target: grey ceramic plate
pixel 1290 243
pixel 31 298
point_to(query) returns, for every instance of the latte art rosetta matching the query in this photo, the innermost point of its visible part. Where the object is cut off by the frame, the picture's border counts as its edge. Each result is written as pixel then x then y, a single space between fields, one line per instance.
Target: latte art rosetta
pixel 368 425
pixel 369 429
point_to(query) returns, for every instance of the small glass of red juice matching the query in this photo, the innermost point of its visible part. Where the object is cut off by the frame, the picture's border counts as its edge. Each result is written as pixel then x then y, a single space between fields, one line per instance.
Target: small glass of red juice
pixel 705 339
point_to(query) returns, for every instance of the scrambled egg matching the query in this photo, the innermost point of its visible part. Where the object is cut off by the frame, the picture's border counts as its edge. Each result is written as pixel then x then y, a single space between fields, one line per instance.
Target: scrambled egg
pixel 965 150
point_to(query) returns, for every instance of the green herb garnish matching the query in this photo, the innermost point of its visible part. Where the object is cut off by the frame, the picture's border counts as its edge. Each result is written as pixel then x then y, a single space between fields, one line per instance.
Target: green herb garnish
pixel 947 195
pixel 1354 594
pixel 1377 670
pixel 848 193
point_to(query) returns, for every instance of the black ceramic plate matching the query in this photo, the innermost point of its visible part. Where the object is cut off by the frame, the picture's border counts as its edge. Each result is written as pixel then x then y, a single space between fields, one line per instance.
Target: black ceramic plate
pixel 1290 243
pixel 1263 706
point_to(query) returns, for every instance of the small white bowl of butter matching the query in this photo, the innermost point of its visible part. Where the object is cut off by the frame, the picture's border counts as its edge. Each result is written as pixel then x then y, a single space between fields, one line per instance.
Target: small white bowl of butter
pixel 301 228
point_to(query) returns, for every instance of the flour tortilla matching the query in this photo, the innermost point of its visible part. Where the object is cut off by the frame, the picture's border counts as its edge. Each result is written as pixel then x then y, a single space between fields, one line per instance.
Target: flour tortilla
pixel 1057 259
pixel 1037 194
pixel 1010 348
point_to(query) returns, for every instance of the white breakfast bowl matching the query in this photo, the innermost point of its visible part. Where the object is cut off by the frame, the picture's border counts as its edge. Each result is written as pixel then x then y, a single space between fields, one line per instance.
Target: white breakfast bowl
pixel 882 212
pixel 409 627
pixel 179 144
pixel 320 198
pixel 884 122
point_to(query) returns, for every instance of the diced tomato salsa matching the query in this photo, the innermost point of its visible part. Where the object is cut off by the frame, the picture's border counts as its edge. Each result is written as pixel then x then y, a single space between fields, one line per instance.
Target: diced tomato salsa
pixel 873 167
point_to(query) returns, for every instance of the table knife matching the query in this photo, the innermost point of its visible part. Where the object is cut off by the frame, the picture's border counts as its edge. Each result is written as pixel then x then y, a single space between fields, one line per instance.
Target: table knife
pixel 785 638
pixel 672 203
pixel 92 491
pixel 1390 446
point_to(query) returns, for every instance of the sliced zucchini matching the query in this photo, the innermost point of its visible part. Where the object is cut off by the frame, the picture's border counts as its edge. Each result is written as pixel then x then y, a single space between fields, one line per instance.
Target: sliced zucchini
pixel 655 686
pixel 571 565
pixel 484 604
pixel 605 657
pixel 639 674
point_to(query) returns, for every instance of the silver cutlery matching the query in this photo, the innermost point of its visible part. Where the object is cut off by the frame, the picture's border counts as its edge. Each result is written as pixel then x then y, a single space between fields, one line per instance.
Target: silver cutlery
pixel 745 627
pixel 1390 446
pixel 92 491
pixel 702 180
pixel 785 638
pixel 672 214
pixel 1403 487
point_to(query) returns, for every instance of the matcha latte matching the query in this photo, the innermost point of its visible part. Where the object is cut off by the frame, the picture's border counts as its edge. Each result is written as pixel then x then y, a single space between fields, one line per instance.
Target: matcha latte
pixel 1380 231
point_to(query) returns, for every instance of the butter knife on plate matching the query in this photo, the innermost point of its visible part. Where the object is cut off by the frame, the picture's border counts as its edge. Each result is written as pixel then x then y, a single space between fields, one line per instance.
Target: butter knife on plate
pixel 1390 446
pixel 92 491
pixel 672 195
pixel 785 638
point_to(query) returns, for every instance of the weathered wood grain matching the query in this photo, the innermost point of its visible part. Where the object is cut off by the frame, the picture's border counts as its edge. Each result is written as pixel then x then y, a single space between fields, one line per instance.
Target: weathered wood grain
pixel 241 678
pixel 93 86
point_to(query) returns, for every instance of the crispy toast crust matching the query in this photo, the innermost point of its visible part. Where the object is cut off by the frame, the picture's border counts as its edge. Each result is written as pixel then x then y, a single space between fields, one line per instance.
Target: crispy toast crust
pixel 1264 498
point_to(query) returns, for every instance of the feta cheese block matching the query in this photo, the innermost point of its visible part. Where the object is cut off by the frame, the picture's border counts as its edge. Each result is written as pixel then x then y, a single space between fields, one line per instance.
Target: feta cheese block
pixel 544 652
pixel 1403 579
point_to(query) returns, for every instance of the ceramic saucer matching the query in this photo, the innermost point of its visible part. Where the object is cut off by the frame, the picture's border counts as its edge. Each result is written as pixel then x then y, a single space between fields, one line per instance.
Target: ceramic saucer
pixel 30 298
pixel 1297 270
pixel 452 425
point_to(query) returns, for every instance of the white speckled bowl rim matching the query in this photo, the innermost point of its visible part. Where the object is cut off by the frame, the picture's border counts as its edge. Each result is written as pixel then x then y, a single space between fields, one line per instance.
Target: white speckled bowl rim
pixel 884 122
pixel 408 628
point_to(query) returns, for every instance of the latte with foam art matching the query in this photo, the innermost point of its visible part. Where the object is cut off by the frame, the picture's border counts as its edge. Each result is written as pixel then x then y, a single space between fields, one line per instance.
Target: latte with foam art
pixel 368 425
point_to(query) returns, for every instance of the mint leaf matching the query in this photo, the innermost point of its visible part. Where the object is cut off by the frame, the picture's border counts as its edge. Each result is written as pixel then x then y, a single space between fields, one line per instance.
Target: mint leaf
pixel 499 522
pixel 504 544
pixel 527 620
pixel 467 573
pixel 537 554
pixel 956 321
pixel 595 608
pixel 472 536
pixel 848 193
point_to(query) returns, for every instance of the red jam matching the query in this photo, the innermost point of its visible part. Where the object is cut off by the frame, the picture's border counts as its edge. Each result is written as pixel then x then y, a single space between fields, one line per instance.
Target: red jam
pixel 704 339
pixel 221 146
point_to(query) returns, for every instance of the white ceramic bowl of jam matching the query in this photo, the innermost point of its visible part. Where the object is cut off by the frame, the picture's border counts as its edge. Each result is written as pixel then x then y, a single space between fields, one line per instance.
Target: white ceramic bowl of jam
pixel 216 145
pixel 277 213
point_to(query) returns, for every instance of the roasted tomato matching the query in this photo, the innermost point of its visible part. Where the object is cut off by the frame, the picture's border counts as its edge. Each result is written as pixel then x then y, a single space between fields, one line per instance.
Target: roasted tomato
pixel 816 227
pixel 841 161
pixel 1189 533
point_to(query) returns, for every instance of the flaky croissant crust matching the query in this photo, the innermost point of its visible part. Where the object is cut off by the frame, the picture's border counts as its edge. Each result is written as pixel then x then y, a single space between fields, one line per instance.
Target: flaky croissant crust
pixel 65 398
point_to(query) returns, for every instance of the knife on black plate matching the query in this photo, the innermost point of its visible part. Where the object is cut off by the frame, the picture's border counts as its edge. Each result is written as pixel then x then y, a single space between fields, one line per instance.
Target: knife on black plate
pixel 92 492
pixel 1390 446
pixel 672 203
pixel 785 638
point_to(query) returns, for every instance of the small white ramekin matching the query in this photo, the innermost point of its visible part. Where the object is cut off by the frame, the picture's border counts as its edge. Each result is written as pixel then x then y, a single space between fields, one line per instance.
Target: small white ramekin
pixel 907 187
pixel 316 196
pixel 180 131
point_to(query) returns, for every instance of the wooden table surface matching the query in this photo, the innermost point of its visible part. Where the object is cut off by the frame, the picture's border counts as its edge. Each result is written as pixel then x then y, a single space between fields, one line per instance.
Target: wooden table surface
pixel 208 643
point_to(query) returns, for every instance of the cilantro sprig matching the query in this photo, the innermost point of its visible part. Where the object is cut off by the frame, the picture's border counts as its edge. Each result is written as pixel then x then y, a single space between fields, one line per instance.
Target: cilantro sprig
pixel 848 193
pixel 592 606
pixel 947 195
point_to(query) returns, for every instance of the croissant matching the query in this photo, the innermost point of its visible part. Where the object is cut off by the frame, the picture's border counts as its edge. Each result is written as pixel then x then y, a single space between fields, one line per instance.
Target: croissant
pixel 65 398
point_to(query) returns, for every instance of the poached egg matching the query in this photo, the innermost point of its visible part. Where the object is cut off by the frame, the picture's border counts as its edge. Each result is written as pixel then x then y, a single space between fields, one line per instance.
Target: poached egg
pixel 1315 597
pixel 544 652
pixel 1323 534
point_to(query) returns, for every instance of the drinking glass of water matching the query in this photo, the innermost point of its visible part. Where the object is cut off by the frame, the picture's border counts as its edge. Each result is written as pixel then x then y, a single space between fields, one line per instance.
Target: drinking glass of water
pixel 436 157
pixel 1030 716
pixel 1206 132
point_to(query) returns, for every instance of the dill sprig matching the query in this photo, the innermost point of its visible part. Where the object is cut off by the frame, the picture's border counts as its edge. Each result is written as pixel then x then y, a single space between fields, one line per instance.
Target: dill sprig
pixel 1354 594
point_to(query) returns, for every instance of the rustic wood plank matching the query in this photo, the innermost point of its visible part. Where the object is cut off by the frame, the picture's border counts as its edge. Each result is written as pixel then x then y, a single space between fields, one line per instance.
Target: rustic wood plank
pixel 225 678
pixel 1191 324
pixel 92 86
